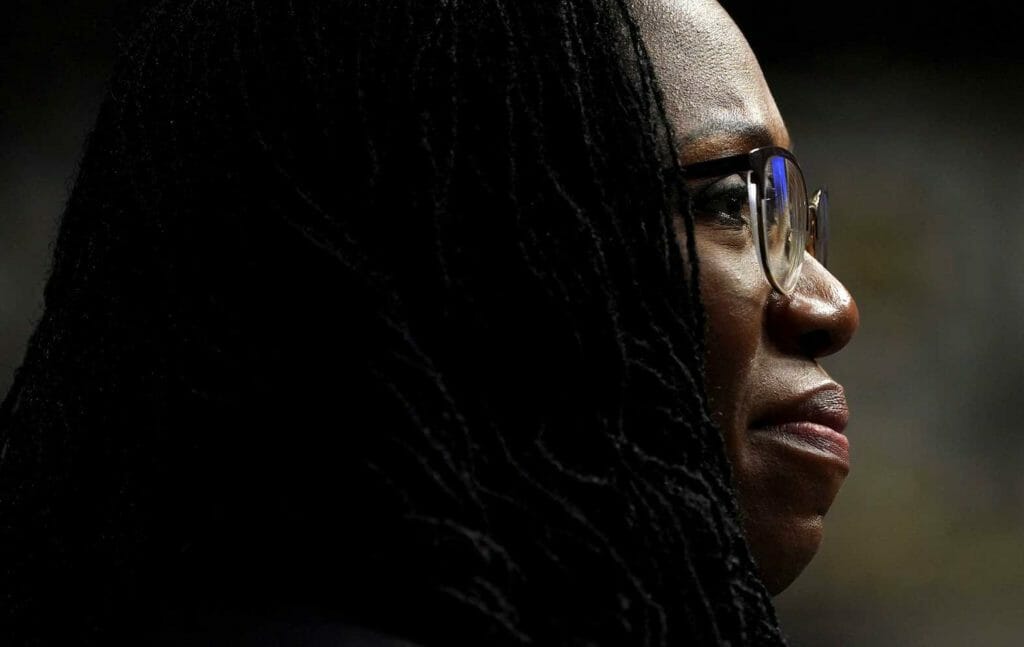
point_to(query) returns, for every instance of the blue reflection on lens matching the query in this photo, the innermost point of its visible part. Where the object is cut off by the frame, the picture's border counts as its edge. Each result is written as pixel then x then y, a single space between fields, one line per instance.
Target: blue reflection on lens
pixel 780 179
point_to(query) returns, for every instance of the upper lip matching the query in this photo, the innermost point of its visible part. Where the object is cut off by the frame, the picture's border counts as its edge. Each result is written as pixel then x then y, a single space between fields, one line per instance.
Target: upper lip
pixel 825 405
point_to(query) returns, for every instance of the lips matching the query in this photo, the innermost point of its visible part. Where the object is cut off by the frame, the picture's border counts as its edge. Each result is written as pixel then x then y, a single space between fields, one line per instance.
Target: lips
pixel 811 423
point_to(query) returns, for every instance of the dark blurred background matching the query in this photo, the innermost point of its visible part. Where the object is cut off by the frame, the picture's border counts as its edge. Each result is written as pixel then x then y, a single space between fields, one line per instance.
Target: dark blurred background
pixel 909 112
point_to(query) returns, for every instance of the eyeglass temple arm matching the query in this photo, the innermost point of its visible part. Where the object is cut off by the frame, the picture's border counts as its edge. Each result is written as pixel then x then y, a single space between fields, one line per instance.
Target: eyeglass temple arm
pixel 716 167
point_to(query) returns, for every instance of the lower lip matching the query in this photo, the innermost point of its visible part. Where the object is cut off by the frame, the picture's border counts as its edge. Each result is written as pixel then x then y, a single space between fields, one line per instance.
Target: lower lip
pixel 811 436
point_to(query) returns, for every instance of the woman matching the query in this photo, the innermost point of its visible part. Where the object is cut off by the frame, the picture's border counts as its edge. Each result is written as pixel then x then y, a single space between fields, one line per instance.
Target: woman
pixel 394 315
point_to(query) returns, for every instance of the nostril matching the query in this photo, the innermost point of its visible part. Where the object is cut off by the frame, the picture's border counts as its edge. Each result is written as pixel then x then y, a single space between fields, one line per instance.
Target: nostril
pixel 816 320
pixel 815 343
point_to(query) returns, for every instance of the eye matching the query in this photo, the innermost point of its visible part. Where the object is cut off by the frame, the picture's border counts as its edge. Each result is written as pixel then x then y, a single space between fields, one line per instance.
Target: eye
pixel 724 202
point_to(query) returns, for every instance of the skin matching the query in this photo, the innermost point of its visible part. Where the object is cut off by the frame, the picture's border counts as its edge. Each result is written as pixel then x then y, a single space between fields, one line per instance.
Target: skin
pixel 763 347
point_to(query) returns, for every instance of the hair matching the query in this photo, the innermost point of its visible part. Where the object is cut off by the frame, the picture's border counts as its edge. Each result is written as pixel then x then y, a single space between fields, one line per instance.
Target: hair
pixel 385 311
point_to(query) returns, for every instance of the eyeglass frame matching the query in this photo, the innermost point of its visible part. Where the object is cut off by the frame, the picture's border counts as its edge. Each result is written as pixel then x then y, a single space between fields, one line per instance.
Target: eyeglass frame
pixel 753 163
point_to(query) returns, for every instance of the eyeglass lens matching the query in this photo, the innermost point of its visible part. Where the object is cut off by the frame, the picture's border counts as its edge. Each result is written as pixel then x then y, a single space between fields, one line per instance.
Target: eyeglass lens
pixel 784 207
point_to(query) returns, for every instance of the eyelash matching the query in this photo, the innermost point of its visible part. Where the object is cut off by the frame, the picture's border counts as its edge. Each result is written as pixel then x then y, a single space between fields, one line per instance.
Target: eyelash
pixel 724 202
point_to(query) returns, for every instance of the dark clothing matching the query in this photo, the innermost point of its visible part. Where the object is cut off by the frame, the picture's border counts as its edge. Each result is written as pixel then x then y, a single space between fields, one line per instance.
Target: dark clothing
pixel 290 633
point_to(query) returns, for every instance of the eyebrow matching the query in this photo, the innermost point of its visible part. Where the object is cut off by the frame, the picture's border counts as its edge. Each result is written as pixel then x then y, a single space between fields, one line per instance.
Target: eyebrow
pixel 727 137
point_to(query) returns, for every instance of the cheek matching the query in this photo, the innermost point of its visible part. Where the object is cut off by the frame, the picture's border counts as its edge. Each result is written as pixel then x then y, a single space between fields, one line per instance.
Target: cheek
pixel 734 293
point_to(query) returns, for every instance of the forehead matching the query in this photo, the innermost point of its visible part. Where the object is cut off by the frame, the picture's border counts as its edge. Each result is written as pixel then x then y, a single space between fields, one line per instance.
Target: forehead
pixel 715 93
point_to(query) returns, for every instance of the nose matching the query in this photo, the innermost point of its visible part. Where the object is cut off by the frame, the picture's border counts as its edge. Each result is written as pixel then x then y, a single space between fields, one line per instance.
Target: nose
pixel 818 318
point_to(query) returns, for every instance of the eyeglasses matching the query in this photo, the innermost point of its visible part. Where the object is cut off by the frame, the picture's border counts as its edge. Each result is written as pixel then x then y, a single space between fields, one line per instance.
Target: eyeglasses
pixel 784 224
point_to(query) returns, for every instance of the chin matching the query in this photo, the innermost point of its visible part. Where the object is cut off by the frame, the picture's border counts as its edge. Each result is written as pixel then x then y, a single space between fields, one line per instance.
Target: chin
pixel 784 491
pixel 782 546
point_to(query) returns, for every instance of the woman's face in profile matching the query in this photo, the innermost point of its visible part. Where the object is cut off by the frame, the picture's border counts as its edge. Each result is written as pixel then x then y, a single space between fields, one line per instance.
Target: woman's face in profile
pixel 782 415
